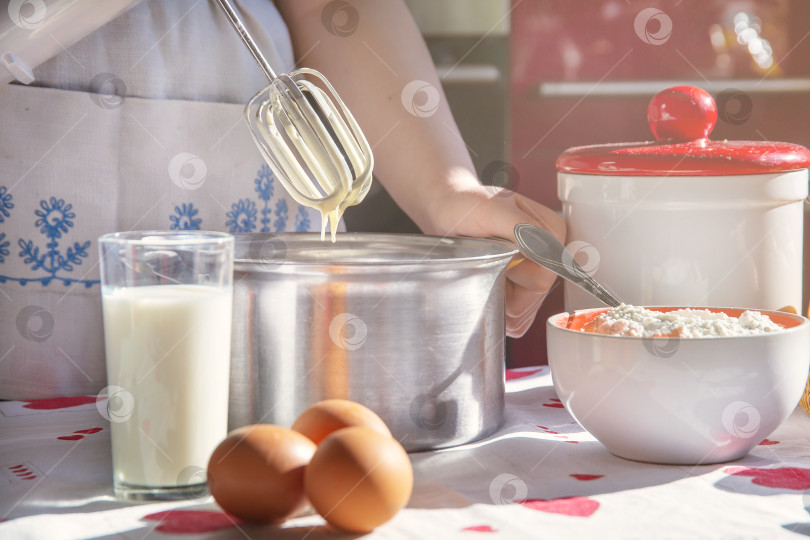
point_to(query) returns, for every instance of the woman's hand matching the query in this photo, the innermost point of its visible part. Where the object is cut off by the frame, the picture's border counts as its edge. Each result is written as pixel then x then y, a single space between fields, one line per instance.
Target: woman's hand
pixel 486 211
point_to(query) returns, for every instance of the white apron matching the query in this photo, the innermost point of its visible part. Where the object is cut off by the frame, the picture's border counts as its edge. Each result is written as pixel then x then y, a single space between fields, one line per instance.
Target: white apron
pixel 75 165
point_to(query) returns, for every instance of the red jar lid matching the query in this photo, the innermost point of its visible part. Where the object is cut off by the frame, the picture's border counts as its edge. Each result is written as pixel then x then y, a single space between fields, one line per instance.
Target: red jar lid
pixel 681 119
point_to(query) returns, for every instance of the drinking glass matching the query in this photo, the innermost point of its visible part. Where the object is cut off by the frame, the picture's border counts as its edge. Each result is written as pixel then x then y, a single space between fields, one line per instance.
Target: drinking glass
pixel 167 301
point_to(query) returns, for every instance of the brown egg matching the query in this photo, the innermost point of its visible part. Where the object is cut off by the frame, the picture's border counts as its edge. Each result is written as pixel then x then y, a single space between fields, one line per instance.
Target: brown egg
pixel 257 472
pixel 321 419
pixel 358 479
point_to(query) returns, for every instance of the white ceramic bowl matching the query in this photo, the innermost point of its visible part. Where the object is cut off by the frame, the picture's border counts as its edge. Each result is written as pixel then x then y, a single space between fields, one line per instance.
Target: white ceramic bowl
pixel 679 401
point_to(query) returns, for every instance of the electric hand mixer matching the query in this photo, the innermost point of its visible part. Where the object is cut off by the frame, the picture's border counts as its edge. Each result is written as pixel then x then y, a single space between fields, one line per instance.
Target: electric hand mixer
pixel 308 137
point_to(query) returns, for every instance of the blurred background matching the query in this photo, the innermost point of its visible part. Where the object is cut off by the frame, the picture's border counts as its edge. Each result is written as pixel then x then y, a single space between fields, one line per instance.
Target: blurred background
pixel 527 79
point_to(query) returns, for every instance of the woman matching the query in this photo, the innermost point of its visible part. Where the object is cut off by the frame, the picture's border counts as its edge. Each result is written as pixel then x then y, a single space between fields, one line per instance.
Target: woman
pixel 139 126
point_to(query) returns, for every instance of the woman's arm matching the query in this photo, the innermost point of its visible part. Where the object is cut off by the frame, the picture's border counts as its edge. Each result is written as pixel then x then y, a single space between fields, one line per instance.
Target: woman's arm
pixel 371 54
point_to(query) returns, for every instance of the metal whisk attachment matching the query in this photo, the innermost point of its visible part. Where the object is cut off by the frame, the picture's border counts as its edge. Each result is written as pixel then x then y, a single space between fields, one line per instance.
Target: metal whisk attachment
pixel 311 140
pixel 307 135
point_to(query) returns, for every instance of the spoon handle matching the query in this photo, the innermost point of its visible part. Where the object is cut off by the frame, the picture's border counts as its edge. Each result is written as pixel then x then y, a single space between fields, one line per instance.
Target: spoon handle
pixel 236 22
pixel 544 249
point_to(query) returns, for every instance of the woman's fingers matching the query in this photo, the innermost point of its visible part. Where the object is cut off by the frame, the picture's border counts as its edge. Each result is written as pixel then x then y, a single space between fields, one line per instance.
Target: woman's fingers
pixel 528 283
pixel 521 308
pixel 484 213
pixel 530 277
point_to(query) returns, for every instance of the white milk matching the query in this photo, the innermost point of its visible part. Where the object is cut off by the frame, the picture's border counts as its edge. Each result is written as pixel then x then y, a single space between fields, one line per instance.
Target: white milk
pixel 169 347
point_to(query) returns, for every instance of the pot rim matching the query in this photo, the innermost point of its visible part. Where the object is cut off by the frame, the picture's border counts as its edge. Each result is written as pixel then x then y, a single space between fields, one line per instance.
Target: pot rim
pixel 274 249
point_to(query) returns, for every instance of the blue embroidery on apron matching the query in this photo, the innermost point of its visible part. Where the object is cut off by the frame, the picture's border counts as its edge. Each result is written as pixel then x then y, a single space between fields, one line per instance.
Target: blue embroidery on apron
pixel 281 215
pixel 302 219
pixel 243 215
pixel 184 218
pixel 265 188
pixel 55 219
pixel 5 204
pixel 3 247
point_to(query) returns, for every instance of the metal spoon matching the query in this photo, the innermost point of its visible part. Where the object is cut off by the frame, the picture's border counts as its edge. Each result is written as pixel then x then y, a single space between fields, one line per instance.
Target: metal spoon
pixel 543 248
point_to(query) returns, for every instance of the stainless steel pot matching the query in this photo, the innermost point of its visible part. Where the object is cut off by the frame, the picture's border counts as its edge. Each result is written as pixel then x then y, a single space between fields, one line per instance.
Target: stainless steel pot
pixel 411 326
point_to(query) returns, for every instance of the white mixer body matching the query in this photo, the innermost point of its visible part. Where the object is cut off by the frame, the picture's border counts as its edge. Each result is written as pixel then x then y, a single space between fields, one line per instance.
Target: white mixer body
pixel 32 31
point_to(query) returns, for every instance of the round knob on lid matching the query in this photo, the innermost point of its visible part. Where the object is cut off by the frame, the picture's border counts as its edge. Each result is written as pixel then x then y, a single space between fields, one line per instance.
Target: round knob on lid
pixel 682 113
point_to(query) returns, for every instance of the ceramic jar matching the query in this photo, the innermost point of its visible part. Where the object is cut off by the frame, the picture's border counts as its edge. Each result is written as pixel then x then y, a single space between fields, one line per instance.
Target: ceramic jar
pixel 686 220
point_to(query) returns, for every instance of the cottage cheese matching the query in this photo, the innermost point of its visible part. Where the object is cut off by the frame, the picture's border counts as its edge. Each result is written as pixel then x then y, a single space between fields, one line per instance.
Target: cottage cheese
pixel 626 320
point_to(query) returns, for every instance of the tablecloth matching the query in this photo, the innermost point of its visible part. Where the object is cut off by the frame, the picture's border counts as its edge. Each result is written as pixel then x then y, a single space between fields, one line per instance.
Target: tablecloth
pixel 539 476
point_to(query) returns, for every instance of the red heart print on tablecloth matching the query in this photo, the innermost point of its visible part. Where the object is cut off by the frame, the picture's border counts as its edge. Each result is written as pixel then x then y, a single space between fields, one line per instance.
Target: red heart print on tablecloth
pixel 22 471
pixel 79 434
pixel 58 402
pixel 767 442
pixel 568 506
pixel 556 434
pixel 512 374
pixel 780 477
pixel 555 403
pixel 587 477
pixel 89 431
pixel 480 528
pixel 192 521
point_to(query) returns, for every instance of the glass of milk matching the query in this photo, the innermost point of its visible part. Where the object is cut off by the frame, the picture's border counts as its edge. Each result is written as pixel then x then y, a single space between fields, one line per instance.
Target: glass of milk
pixel 167 300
